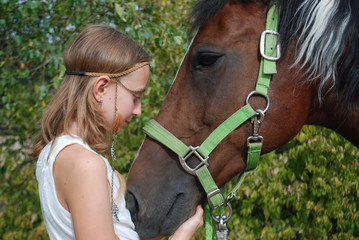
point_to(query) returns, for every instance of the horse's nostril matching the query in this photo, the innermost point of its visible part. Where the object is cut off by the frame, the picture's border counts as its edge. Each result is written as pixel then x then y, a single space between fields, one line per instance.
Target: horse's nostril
pixel 132 205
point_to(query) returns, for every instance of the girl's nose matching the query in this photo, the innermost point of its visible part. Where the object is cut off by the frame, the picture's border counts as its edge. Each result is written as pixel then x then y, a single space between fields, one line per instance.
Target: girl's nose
pixel 137 109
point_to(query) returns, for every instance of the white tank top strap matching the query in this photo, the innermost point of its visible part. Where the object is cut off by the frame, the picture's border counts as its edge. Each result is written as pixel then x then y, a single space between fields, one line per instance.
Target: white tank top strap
pixel 60 143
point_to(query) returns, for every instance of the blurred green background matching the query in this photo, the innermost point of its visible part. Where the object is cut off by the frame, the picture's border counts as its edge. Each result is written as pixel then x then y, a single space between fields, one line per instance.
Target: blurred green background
pixel 307 189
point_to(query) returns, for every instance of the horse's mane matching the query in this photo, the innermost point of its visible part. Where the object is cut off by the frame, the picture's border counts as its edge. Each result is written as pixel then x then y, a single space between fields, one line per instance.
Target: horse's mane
pixel 327 34
pixel 327 43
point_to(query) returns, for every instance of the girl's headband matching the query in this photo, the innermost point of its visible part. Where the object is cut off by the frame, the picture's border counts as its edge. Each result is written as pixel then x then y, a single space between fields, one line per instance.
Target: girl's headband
pixel 110 75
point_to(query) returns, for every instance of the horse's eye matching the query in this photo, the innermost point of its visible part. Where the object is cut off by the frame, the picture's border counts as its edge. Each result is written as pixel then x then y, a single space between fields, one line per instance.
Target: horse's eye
pixel 205 60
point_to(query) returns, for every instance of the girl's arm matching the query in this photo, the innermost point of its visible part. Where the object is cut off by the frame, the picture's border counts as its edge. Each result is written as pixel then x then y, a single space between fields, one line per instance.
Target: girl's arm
pixel 81 181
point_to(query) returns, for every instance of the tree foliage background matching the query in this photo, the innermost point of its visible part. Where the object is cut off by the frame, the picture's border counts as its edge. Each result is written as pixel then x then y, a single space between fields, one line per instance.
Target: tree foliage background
pixel 308 189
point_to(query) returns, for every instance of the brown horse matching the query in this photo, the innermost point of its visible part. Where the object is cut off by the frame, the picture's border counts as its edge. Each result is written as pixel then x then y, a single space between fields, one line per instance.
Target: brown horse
pixel 317 82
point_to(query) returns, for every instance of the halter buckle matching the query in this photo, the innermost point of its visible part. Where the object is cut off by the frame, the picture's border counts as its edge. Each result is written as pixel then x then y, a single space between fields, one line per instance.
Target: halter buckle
pixel 263 42
pixel 211 194
pixel 186 167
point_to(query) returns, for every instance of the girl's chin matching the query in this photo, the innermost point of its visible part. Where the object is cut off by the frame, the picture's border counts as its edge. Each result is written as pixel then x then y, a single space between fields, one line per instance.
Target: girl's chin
pixel 119 127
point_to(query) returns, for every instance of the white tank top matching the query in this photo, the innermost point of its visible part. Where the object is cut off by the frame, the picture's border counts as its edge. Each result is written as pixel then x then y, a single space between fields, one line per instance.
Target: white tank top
pixel 58 220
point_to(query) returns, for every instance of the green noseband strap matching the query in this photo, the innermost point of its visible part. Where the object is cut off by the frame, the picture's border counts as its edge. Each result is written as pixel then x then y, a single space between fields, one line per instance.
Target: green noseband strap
pixel 157 132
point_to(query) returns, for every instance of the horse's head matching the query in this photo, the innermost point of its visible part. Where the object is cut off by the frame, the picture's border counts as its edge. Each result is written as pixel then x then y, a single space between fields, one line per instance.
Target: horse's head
pixel 218 72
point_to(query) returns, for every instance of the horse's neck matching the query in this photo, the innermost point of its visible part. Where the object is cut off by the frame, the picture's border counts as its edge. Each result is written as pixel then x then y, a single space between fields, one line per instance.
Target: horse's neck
pixel 332 114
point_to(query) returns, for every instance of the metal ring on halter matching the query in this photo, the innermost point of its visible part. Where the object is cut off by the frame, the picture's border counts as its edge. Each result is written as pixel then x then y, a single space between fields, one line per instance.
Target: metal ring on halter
pixel 255 93
pixel 223 217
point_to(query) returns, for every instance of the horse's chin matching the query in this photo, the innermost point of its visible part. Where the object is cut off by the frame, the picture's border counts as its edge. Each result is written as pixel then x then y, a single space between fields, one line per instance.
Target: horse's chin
pixel 151 223
pixel 172 220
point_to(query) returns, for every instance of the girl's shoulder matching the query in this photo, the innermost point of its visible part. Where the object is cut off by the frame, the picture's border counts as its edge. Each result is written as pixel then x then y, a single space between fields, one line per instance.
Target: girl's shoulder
pixel 77 159
pixel 78 172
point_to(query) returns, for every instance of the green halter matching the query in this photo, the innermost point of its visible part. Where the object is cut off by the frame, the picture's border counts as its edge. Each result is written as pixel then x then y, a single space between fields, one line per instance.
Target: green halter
pixel 270 51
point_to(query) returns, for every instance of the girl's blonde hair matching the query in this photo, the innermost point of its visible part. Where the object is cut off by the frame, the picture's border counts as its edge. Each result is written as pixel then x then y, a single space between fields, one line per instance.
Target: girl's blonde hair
pixel 96 49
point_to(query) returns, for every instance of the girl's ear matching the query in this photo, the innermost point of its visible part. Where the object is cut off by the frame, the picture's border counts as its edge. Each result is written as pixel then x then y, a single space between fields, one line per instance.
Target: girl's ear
pixel 100 87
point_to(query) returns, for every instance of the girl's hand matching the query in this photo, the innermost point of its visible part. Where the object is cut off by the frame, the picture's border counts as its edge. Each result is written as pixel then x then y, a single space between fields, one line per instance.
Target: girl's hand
pixel 189 227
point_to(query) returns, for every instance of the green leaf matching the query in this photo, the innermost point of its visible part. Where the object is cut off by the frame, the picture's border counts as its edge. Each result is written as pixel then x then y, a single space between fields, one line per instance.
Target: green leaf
pixel 120 12
pixel 178 40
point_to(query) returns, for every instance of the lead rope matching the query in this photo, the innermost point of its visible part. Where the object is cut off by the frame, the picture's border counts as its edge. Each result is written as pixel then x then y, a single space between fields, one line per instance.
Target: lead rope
pixel 208 223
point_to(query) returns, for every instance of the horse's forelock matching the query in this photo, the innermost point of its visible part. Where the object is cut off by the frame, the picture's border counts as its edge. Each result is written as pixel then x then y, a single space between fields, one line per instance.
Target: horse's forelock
pixel 204 10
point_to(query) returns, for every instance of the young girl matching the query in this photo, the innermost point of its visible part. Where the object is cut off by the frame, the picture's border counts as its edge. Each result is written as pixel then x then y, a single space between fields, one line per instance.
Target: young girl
pixel 81 195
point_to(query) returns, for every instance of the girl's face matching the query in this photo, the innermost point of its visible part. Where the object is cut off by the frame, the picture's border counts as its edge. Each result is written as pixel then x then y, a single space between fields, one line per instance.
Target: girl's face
pixel 128 100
